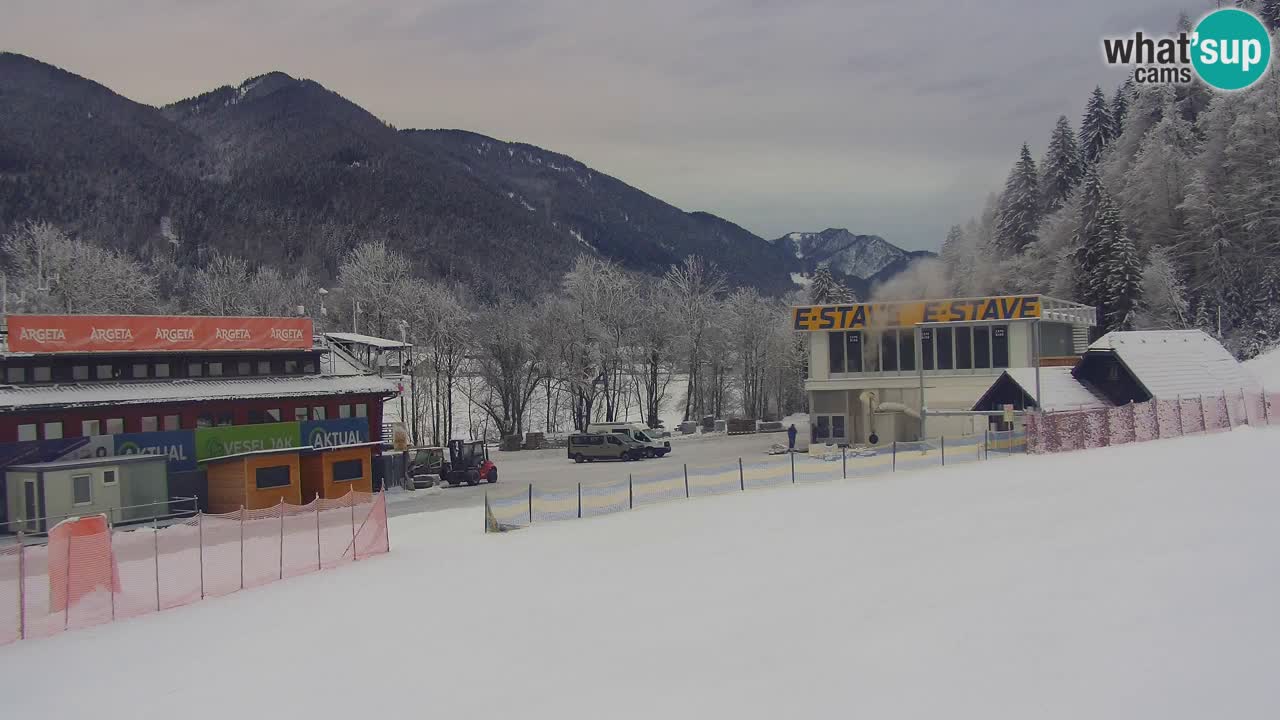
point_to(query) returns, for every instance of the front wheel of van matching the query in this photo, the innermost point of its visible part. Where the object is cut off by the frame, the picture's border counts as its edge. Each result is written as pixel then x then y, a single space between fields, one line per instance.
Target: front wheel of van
pixel 579 459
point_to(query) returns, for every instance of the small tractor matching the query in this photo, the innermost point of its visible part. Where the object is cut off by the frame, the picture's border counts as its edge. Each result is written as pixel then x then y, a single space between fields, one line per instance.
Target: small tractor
pixel 468 463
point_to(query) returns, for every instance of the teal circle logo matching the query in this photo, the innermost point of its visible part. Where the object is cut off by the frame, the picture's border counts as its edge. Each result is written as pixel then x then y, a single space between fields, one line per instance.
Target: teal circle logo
pixel 1231 49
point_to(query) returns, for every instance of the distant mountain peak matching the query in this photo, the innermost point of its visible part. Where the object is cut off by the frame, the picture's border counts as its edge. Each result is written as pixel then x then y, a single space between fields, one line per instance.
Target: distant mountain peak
pixel 851 256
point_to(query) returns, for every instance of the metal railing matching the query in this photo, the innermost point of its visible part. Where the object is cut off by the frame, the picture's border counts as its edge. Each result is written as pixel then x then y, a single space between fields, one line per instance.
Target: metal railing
pixel 115 517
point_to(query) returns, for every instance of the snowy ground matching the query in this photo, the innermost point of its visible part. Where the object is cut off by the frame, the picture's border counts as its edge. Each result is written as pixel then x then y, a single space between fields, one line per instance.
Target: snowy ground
pixel 1129 582
pixel 1266 368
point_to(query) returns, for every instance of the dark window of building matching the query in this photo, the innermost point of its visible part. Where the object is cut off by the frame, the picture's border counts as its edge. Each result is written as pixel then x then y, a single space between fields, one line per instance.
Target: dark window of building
pixel 195 369
pixel 362 410
pixel 215 369
pixel 41 374
pixel 115 426
pixel 835 351
pixel 80 372
pixel 964 348
pixel 926 347
pixel 889 351
pixel 264 367
pixel 344 411
pixel 225 419
pixel 204 421
pixel 273 476
pixel 105 372
pixel 907 350
pixel 81 489
pixel 309 366
pixel 27 433
pixel 853 351
pixel 300 414
pixel 348 470
pixel 53 430
pixel 982 347
pixel 1000 346
pixel 256 416
pixel 108 477
pixel 162 370
pixel 15 375
pixel 172 422
pixel 317 413
pixel 139 371
pixel 273 415
pixel 244 367
pixel 150 423
pixel 290 367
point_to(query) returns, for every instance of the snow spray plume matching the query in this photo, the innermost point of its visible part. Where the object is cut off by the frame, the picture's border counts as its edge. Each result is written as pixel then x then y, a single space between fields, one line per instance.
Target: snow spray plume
pixel 923 279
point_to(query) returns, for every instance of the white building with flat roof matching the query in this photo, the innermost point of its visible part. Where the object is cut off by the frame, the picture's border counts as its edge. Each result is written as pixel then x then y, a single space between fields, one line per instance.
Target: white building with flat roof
pixel 880 372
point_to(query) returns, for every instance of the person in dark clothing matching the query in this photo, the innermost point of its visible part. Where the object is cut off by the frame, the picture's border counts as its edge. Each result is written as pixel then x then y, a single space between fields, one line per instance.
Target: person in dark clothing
pixel 791 438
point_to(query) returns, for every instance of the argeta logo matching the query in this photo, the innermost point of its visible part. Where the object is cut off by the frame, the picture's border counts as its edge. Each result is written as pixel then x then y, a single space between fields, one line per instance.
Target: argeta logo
pixel 1229 49
pixel 175 335
pixel 232 334
pixel 111 335
pixel 287 334
pixel 44 335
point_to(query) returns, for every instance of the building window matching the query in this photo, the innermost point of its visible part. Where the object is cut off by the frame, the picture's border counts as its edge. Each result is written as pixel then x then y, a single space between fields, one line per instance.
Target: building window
pixel 150 423
pixel 115 426
pixel 89 428
pixel 15 375
pixel 204 421
pixel 53 430
pixel 964 348
pixel 906 350
pixel 225 419
pixel 244 367
pixel 105 372
pixel 42 374
pixel 162 370
pixel 264 367
pixel 273 476
pixel 80 372
pixel 1000 346
pixel 362 410
pixel 81 489
pixel 172 422
pixel 195 369
pixel 889 351
pixel 290 367
pixel 309 366
pixel 945 351
pixel 139 371
pixel 835 351
pixel 344 411
pixel 853 351
pixel 317 413
pixel 215 369
pixel 108 477
pixel 273 415
pixel 982 347
pixel 300 414
pixel 27 433
pixel 926 347
pixel 348 470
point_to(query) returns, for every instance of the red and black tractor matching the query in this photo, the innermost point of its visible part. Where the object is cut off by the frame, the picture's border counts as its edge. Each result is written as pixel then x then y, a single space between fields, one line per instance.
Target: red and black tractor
pixel 468 464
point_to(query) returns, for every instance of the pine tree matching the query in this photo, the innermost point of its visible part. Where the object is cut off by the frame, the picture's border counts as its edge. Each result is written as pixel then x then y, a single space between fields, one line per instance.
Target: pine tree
pixel 1121 275
pixel 1061 167
pixel 1269 11
pixel 827 290
pixel 1088 243
pixel 1120 104
pixel 1019 215
pixel 1097 128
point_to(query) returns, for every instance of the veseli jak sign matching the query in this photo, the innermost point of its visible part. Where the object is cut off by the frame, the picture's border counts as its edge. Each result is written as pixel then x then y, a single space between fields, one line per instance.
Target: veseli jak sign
pixel 142 333
pixel 858 316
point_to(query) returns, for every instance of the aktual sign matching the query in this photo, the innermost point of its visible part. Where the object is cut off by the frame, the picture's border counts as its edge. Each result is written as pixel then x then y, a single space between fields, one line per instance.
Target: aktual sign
pixel 858 316
pixel 134 333
pixel 235 439
pixel 179 446
pixel 331 433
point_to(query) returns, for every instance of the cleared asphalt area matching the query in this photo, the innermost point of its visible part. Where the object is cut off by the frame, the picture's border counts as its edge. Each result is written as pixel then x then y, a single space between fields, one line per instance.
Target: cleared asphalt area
pixel 553 468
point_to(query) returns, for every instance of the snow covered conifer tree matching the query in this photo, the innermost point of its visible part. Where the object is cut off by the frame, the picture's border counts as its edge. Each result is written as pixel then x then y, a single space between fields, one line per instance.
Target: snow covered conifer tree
pixel 1120 275
pixel 1120 105
pixel 826 289
pixel 1089 257
pixel 1061 168
pixel 1164 304
pixel 1019 215
pixel 1097 128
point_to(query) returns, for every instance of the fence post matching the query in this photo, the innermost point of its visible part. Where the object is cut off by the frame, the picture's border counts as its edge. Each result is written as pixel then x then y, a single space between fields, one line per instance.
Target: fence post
pixel 742 478
pixel 793 467
pixel 1182 430
pixel 1133 417
pixel 1204 417
pixel 579 500
pixel 1266 411
pixel 844 463
pixel 351 496
pixel 155 536
pixel 986 443
pixel 686 480
pixel 942 445
pixel 241 547
pixel 895 456
pixel 22 587
pixel 530 503
pixel 282 539
pixel 200 536
pixel 66 610
pixel 319 562
pixel 111 554
pixel 631 494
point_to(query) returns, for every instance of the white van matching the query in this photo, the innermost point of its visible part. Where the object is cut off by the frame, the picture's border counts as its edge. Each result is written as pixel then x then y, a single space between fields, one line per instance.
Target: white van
pixel 637 433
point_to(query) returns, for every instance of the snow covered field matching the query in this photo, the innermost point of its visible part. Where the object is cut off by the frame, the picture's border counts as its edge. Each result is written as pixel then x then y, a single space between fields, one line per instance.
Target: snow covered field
pixel 1139 581
pixel 1266 368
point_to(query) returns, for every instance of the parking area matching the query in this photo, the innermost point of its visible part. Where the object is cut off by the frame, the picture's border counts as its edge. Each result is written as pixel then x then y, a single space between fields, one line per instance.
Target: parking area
pixel 552 468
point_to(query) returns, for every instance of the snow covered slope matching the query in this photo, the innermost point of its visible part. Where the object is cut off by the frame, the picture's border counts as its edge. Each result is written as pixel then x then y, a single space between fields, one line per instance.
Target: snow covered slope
pixel 1128 582
pixel 1266 368
pixel 860 256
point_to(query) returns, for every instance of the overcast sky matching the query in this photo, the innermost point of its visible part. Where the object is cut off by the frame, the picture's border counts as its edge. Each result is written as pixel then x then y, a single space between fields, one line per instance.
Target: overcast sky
pixel 892 117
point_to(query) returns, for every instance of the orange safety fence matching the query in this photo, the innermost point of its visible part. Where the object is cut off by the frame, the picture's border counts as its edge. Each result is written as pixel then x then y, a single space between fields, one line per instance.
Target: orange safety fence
pixel 88 574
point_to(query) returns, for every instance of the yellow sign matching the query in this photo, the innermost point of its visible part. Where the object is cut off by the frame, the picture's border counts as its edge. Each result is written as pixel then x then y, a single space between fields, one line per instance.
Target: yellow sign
pixel 815 318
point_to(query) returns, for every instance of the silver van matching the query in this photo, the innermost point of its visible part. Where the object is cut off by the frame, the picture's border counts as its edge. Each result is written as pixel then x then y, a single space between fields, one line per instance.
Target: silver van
pixel 636 434
pixel 589 447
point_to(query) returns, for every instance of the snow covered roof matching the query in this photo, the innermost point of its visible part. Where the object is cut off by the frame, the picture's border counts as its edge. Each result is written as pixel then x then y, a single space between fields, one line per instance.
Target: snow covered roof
pixel 117 393
pixel 1061 390
pixel 369 340
pixel 1174 363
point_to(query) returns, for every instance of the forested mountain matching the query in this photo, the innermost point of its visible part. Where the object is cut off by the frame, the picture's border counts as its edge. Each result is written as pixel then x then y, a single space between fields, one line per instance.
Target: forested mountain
pixel 858 262
pixel 1162 210
pixel 282 171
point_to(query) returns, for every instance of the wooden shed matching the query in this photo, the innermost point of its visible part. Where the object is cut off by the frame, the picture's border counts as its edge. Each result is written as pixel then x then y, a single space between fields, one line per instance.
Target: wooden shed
pixel 254 480
pixel 332 472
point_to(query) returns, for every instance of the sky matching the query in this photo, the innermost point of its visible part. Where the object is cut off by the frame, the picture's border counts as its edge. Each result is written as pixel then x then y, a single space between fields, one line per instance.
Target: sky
pixel 885 117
